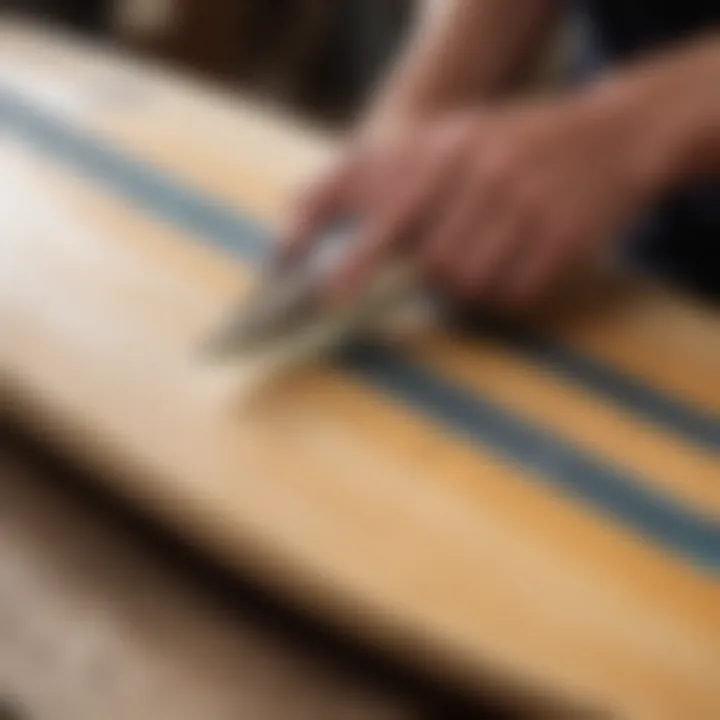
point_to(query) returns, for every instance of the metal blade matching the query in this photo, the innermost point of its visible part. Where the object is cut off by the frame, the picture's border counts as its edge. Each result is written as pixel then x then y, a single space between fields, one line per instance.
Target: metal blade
pixel 285 298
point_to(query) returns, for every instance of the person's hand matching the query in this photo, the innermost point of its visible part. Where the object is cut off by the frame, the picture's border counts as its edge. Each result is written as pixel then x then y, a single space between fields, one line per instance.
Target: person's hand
pixel 495 206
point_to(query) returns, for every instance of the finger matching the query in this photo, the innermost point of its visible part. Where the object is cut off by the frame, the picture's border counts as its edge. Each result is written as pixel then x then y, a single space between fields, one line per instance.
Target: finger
pixel 541 266
pixel 384 232
pixel 493 254
pixel 457 220
pixel 394 217
pixel 384 173
pixel 315 208
pixel 476 202
pixel 513 235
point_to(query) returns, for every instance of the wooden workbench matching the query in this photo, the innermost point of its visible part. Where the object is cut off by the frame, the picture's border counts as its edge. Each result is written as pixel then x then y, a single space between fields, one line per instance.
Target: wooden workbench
pixel 538 509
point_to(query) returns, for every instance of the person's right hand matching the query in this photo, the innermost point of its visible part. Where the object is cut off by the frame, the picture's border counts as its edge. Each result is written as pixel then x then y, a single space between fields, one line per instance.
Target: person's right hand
pixel 366 176
pixel 496 205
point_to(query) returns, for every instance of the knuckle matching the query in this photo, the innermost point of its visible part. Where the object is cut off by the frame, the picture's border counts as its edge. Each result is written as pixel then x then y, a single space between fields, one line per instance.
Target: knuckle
pixel 459 130
pixel 497 167
pixel 504 162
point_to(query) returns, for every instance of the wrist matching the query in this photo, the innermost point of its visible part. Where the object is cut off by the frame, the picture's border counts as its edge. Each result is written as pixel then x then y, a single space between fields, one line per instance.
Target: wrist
pixel 642 135
pixel 666 118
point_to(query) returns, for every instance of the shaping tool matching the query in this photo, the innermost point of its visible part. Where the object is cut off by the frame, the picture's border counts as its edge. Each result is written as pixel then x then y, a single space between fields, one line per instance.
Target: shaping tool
pixel 286 320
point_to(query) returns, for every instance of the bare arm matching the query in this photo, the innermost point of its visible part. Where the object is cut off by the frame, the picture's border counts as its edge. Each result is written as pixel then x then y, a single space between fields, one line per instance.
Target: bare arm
pixel 673 100
pixel 460 51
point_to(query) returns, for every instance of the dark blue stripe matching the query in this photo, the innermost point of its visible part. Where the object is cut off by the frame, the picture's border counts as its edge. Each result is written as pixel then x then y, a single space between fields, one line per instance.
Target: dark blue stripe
pixel 699 427
pixel 134 181
pixel 461 411
pixel 478 419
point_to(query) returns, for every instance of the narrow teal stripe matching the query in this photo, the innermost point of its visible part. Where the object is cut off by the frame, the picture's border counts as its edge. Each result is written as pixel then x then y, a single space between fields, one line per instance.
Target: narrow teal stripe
pixel 462 412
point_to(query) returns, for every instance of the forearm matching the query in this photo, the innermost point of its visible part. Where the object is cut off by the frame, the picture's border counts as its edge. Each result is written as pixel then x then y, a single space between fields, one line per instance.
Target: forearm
pixel 460 51
pixel 674 100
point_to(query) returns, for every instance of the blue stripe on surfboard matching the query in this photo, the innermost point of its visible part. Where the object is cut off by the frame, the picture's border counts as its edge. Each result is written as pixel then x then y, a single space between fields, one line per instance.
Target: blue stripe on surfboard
pixel 459 410
pixel 564 466
pixel 176 203
pixel 699 427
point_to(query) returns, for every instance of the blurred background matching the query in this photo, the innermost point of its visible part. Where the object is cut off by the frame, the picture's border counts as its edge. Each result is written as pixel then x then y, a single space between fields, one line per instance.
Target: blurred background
pixel 319 56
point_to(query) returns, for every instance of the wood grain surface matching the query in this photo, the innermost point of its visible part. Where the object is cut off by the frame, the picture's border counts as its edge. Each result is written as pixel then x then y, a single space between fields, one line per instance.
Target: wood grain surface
pixel 540 509
pixel 97 621
pixel 102 616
